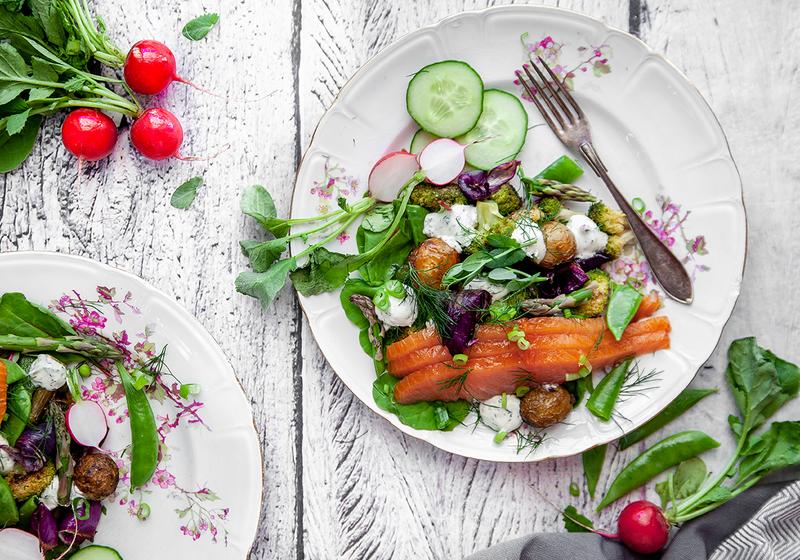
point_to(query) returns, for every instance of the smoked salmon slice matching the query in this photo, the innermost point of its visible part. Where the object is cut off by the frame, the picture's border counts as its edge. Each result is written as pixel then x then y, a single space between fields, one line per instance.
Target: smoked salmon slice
pixel 425 338
pixel 649 305
pixel 418 359
pixel 548 360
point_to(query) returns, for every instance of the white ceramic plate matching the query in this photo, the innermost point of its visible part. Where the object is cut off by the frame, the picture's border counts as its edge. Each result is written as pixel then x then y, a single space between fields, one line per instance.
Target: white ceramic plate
pixel 205 498
pixel 655 132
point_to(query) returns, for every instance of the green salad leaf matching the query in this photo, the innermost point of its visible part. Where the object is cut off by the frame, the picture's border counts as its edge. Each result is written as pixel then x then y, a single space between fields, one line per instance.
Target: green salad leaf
pixel 200 26
pixel 20 317
pixel 575 522
pixel 265 285
pixel 422 416
pixel 185 194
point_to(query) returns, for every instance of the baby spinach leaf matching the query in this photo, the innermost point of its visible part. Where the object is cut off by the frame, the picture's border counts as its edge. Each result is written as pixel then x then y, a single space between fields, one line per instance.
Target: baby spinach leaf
pixel 185 194
pixel 263 253
pixel 422 416
pixel 14 373
pixel 574 522
pixel 200 26
pixel 416 221
pixel 356 286
pixel 265 285
pixel 20 317
pixel 19 401
pixel 379 219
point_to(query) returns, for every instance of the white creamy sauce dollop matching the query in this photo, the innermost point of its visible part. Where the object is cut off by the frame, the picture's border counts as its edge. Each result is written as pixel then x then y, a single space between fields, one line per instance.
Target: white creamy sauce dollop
pixel 48 373
pixel 499 418
pixel 588 237
pixel 528 234
pixel 456 226
pixel 402 312
pixel 6 462
pixel 497 291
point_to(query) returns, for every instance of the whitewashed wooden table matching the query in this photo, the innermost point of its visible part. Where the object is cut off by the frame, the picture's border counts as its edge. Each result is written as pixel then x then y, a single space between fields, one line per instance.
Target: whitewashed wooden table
pixel 340 482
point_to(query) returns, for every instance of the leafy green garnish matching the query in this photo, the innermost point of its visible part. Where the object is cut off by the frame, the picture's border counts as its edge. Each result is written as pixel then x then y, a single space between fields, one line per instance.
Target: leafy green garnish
pixel 575 522
pixel 185 194
pixel 200 26
pixel 761 383
pixel 421 416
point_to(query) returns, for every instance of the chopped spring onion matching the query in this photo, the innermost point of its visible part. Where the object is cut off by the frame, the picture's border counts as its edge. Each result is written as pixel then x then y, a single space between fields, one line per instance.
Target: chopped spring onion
pixel 188 389
pixel 460 359
pixel 143 512
pixel 521 391
pixel 504 401
pixel 500 437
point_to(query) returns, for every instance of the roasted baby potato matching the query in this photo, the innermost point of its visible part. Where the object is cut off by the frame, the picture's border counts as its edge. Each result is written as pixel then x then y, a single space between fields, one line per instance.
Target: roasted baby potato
pixel 545 405
pixel 560 244
pixel 431 260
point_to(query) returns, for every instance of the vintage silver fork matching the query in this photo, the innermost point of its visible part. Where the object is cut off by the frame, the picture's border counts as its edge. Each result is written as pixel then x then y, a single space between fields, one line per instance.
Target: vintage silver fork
pixel 565 117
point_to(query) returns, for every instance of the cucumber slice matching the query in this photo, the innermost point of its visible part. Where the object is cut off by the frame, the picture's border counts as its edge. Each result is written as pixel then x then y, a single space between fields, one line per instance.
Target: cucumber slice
pixel 96 552
pixel 500 133
pixel 420 140
pixel 445 98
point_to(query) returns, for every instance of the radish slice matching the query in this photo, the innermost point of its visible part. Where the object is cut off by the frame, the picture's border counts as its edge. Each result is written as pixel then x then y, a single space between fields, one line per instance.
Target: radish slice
pixel 19 545
pixel 442 160
pixel 86 422
pixel 391 173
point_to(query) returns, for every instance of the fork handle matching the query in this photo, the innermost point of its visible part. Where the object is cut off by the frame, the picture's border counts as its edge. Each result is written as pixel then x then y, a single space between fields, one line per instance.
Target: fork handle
pixel 666 267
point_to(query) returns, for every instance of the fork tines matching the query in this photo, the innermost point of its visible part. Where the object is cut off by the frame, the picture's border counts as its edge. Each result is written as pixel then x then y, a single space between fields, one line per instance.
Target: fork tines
pixel 551 96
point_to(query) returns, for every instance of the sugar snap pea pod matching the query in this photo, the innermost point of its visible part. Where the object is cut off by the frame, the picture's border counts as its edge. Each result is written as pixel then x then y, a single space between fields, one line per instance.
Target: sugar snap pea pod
pixel 683 402
pixel 622 306
pixel 655 460
pixel 9 514
pixel 144 435
pixel 563 170
pixel 605 395
pixel 593 460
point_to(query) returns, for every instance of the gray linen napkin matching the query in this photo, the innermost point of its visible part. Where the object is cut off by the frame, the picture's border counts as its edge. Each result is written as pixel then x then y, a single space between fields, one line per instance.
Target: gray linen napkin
pixel 762 523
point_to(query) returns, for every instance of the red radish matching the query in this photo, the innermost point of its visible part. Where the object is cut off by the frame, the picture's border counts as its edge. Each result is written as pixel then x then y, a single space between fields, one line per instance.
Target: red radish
pixel 150 68
pixel 86 422
pixel 390 174
pixel 19 545
pixel 442 160
pixel 643 527
pixel 157 134
pixel 89 134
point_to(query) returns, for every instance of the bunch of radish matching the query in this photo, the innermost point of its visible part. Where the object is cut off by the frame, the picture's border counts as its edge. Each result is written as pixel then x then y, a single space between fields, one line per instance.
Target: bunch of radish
pixel 156 133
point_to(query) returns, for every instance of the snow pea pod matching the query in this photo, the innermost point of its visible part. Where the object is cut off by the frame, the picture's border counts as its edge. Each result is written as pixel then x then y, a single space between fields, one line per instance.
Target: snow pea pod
pixel 605 395
pixel 683 402
pixel 655 460
pixel 144 435
pixel 9 515
pixel 622 306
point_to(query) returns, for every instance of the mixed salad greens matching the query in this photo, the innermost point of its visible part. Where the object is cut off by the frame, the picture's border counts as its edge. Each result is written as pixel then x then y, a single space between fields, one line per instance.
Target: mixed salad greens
pixel 477 287
pixel 54 474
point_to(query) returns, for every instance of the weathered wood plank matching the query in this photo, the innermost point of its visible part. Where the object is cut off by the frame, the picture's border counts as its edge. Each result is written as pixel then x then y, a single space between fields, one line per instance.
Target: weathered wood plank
pixel 118 211
pixel 369 490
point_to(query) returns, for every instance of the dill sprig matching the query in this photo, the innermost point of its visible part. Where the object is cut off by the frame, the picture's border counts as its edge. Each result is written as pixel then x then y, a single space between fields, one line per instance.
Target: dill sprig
pixel 529 440
pixel 431 302
pixel 638 381
pixel 455 381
